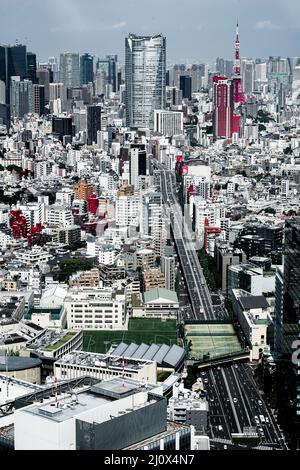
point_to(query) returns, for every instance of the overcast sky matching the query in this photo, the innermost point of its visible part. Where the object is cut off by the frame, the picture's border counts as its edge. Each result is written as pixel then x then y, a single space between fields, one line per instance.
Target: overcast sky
pixel 195 29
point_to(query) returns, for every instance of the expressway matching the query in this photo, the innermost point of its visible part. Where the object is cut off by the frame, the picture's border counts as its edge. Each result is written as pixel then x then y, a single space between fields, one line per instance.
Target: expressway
pixel 235 403
pixel 197 288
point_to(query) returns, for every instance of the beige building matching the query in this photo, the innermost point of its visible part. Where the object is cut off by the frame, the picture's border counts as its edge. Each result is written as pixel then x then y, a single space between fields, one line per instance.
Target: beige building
pixel 152 279
pixel 85 279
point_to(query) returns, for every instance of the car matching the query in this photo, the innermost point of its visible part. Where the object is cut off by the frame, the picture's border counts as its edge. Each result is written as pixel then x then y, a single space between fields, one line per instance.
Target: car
pixel 235 400
pixel 259 402
pixel 203 373
pixel 212 399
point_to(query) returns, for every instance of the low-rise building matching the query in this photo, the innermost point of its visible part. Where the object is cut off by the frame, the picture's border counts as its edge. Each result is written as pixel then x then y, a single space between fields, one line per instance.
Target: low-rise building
pixel 156 303
pixel 95 309
pixel 104 367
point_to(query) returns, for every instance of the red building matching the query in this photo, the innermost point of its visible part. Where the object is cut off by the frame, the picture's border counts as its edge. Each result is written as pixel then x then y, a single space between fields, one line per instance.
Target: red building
pixel 93 204
pixel 223 107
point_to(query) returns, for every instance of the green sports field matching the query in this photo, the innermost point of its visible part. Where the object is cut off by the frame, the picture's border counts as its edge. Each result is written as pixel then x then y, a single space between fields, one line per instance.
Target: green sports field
pixel 140 330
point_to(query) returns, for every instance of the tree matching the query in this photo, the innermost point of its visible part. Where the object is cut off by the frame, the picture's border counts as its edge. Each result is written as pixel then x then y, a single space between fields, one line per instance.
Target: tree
pixel 270 210
pixel 70 266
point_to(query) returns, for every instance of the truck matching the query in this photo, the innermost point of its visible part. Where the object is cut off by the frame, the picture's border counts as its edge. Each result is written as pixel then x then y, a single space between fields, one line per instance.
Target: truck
pixel 262 419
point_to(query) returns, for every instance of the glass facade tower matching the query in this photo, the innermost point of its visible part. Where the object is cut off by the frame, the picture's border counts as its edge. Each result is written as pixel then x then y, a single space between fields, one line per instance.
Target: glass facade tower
pixel 145 73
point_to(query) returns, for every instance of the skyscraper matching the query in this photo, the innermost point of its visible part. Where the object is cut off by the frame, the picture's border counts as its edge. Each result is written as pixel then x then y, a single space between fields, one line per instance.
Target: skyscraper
pixel 197 72
pixel 86 69
pixel 13 63
pixel 109 65
pixel 21 97
pixel 186 86
pixel 223 106
pixel 31 67
pixel 145 71
pixel 70 70
pixel 248 75
pixel 43 75
pixel 93 123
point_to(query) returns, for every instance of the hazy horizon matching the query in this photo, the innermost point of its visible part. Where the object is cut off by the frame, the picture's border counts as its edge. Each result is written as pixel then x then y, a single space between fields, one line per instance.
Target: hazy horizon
pixel 196 30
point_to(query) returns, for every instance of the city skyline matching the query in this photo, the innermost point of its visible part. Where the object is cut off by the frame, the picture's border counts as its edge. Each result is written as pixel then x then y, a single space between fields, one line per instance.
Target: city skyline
pixel 267 28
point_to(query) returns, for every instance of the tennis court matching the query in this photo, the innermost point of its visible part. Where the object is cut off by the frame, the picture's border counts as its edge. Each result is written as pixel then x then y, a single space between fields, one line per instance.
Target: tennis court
pixel 215 340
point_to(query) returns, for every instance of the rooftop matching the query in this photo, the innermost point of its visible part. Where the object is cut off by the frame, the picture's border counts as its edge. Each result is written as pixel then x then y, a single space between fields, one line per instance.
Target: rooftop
pixel 160 293
pixel 102 361
pixel 253 302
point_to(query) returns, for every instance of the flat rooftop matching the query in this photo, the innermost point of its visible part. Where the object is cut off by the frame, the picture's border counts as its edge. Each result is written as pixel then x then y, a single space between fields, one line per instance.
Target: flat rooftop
pixel 67 408
pixel 101 360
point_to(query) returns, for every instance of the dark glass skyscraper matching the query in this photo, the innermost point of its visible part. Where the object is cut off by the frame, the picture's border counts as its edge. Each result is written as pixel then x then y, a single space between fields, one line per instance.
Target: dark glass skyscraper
pixel 86 69
pixel 186 86
pixel 13 63
pixel 93 123
pixel 31 67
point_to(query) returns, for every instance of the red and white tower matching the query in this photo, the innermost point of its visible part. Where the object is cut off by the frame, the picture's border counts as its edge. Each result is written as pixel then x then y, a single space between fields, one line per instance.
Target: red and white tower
pixel 237 85
pixel 238 96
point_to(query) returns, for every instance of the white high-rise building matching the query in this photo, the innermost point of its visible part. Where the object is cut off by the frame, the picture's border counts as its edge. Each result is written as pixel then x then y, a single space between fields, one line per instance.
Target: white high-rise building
pixel 168 123
pixel 127 210
pixel 145 71
pixel 248 75
pixel 69 69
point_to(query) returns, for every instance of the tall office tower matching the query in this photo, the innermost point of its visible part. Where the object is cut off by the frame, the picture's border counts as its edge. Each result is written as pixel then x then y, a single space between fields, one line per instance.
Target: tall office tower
pixel 261 72
pixel 13 63
pixel 296 84
pixel 186 86
pixel 21 97
pixel 69 72
pixel 220 67
pixel 52 61
pixel 197 72
pixel 39 99
pixel 145 71
pixel 173 96
pixel 109 65
pixel 43 75
pixel 292 271
pixel 178 70
pixel 57 98
pixel 287 329
pixel 223 107
pixel 93 123
pixel 248 75
pixel 100 83
pixel 137 163
pixel 278 72
pixel 31 67
pixel 86 69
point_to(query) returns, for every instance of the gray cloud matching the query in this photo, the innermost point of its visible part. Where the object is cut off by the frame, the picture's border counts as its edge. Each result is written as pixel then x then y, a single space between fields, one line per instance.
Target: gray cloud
pixel 267 25
pixel 195 29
